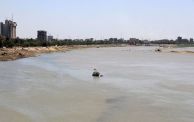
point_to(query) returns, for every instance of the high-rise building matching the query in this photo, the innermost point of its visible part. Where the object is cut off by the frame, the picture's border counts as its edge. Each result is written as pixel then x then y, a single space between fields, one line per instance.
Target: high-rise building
pixel 1 28
pixel 8 29
pixel 42 35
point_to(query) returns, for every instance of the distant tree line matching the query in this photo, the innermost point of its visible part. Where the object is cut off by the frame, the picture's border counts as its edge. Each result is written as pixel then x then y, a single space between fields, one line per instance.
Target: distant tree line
pixel 132 41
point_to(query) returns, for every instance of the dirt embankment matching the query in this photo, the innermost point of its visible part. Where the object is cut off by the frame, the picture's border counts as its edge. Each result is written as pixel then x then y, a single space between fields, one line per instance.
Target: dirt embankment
pixel 175 49
pixel 183 52
pixel 8 54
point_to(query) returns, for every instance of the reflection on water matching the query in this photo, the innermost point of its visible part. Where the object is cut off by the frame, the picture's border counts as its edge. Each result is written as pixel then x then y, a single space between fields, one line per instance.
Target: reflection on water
pixel 138 85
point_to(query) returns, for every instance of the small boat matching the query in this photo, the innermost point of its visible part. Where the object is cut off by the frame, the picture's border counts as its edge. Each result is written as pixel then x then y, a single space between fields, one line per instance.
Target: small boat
pixel 158 50
pixel 96 73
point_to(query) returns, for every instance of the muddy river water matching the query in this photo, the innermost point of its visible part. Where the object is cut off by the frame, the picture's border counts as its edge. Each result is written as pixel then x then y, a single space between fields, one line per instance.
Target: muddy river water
pixel 138 85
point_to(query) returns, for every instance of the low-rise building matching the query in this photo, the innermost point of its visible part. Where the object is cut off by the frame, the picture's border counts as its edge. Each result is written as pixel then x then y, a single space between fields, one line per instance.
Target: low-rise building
pixel 50 38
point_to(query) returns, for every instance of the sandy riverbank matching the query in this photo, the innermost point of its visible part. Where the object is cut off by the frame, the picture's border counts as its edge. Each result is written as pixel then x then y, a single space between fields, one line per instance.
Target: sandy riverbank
pixel 178 50
pixel 9 54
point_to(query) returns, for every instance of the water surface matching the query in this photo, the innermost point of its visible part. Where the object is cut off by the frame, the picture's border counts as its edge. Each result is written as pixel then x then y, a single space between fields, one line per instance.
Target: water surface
pixel 139 85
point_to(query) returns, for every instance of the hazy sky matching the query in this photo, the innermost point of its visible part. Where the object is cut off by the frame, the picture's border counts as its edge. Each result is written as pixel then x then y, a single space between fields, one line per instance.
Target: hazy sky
pixel 144 19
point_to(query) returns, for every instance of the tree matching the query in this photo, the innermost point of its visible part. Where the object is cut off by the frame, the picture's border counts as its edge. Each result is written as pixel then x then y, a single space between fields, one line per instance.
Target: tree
pixel 2 39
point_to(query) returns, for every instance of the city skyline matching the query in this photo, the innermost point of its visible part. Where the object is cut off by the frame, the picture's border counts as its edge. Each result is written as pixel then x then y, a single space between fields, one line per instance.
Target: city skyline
pixel 102 19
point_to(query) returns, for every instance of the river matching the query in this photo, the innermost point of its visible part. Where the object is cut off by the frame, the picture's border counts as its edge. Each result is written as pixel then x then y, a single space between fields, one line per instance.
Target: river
pixel 138 85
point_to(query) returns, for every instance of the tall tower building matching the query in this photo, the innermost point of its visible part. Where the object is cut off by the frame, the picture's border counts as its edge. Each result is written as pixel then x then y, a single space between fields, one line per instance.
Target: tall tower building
pixel 42 35
pixel 8 29
pixel 1 28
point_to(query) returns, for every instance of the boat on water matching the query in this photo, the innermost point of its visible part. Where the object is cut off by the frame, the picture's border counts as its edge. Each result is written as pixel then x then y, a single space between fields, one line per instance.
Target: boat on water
pixel 158 50
pixel 96 73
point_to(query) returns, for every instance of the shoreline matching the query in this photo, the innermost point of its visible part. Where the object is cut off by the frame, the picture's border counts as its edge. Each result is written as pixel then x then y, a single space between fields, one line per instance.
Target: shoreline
pixel 10 54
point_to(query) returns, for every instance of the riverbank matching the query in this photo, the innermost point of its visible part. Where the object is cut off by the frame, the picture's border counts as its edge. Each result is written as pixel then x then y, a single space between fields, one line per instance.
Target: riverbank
pixel 9 54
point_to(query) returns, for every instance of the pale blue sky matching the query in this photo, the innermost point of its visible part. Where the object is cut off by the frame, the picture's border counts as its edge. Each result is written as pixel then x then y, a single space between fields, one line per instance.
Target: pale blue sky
pixel 144 19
